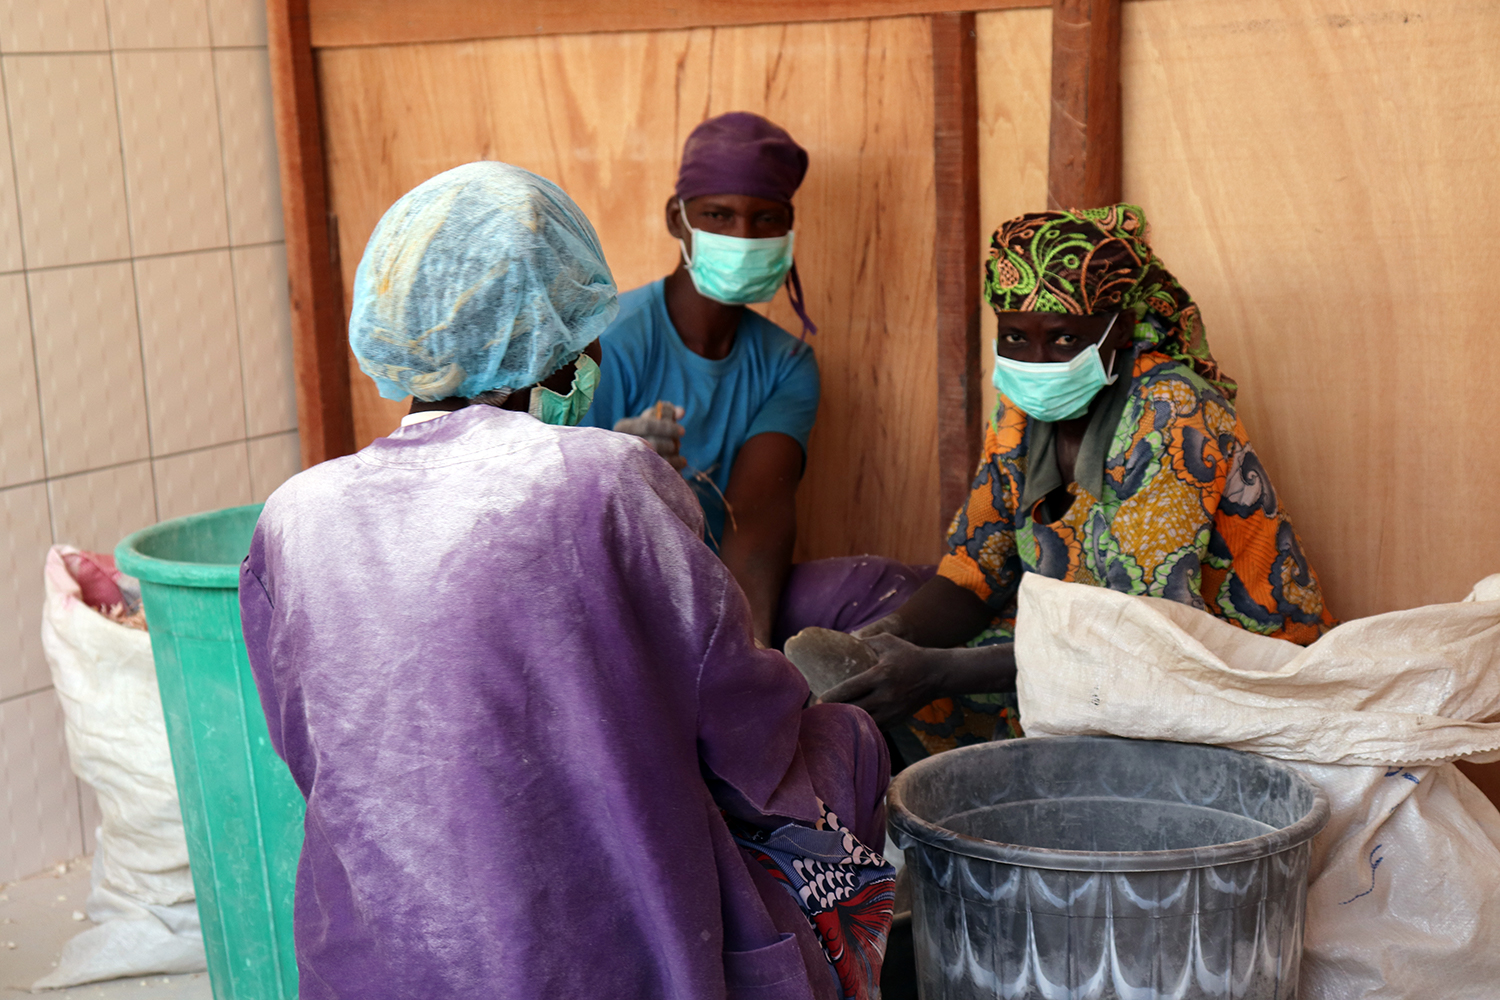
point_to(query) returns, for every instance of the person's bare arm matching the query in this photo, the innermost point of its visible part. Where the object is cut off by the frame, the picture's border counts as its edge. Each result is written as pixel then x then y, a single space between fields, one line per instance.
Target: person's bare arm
pixel 922 656
pixel 940 615
pixel 761 525
pixel 906 677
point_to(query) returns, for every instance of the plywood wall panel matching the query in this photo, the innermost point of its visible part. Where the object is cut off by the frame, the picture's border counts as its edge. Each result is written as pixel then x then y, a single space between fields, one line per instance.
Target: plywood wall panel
pixel 596 114
pixel 605 117
pixel 1015 93
pixel 859 96
pixel 1322 180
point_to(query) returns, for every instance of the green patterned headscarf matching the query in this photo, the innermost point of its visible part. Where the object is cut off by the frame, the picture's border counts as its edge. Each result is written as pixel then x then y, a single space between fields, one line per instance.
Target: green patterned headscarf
pixel 1097 260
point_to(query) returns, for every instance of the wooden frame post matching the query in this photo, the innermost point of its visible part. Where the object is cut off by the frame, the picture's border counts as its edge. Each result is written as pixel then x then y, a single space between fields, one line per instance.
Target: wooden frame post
pixel 958 255
pixel 325 418
pixel 1083 168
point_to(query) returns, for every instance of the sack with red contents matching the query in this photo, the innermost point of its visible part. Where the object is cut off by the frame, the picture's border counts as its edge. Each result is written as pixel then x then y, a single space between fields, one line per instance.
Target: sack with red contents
pixel 142 896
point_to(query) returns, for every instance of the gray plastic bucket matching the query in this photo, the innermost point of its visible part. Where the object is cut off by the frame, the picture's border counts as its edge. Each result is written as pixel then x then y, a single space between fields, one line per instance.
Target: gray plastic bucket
pixel 1086 867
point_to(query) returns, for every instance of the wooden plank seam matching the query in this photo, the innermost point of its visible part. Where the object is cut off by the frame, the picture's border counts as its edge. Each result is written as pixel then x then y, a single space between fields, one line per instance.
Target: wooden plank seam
pixel 324 415
pixel 957 262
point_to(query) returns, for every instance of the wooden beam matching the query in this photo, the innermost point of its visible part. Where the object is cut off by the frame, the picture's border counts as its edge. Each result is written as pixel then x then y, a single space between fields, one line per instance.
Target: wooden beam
pixel 337 23
pixel 1083 168
pixel 958 257
pixel 324 417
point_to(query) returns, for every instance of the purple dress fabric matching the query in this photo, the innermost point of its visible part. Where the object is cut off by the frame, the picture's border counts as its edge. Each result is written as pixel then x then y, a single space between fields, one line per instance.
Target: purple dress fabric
pixel 845 594
pixel 516 689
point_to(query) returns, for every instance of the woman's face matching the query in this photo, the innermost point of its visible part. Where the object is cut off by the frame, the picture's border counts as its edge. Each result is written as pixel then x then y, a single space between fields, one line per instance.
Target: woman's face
pixel 1053 338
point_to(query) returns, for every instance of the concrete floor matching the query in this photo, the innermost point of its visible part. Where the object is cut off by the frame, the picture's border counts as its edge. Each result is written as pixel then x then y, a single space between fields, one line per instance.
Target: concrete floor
pixel 39 914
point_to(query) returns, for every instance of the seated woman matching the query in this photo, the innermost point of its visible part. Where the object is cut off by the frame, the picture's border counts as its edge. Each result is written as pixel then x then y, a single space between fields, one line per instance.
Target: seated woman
pixel 541 752
pixel 1114 459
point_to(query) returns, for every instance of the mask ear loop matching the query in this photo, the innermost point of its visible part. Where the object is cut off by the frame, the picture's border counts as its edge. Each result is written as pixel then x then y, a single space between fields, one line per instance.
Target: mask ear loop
pixel 687 258
pixel 1109 376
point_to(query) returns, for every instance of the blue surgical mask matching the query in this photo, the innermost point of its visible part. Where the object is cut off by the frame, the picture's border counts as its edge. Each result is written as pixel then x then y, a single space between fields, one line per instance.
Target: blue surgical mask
pixel 734 270
pixel 1056 391
pixel 565 411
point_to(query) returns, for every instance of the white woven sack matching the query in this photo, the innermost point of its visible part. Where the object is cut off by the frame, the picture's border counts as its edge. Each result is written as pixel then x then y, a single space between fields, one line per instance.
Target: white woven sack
pixel 142 896
pixel 1404 899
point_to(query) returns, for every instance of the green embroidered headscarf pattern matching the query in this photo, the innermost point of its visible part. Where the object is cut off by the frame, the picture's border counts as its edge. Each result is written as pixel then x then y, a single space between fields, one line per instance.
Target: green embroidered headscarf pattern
pixel 1097 260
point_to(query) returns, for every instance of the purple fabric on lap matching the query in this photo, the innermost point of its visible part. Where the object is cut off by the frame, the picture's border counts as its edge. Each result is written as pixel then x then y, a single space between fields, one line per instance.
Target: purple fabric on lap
pixel 845 594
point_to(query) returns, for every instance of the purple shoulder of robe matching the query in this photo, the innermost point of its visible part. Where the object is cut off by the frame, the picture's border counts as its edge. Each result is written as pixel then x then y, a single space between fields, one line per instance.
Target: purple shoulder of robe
pixel 500 664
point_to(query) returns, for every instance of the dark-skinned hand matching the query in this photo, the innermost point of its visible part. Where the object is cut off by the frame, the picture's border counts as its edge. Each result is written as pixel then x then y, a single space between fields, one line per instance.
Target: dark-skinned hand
pixel 905 678
pixel 659 425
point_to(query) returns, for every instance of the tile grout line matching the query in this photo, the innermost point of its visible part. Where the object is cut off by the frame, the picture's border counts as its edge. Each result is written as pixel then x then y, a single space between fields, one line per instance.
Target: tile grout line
pixel 114 74
pixel 234 283
pixel 37 377
pixel 36 368
pixel 111 467
pixel 125 48
pixel 145 256
pixel 36 372
pixel 114 81
pixel 247 440
pixel 239 333
pixel 6 700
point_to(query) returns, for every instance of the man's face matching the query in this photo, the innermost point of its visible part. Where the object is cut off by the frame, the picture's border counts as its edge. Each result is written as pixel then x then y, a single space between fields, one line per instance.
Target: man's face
pixel 741 215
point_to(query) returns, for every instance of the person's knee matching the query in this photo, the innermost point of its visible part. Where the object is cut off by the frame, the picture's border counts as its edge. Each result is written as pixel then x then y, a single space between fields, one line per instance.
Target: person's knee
pixel 828 726
pixel 832 720
pixel 850 767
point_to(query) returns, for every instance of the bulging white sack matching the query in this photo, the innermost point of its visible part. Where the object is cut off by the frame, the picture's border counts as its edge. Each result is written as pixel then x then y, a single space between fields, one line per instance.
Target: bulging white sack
pixel 142 896
pixel 1404 895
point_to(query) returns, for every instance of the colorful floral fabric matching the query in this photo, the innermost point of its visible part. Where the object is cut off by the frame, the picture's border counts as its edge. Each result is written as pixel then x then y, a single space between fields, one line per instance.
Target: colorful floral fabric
pixel 1098 260
pixel 966 719
pixel 1187 513
pixel 846 891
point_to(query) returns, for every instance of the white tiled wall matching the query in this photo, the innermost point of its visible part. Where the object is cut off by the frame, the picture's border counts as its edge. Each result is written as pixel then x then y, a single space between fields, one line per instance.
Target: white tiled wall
pixel 37 792
pixel 143 322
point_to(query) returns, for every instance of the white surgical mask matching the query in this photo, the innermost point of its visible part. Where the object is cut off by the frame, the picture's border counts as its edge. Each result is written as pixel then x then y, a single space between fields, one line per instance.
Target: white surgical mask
pixel 1054 391
pixel 734 270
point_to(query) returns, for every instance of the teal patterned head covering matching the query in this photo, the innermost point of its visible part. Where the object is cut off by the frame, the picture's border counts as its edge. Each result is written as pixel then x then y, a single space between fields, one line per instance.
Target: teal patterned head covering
pixel 1097 260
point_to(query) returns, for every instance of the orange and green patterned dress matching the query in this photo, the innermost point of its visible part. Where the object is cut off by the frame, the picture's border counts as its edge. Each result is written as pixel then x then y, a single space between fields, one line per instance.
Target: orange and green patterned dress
pixel 1186 513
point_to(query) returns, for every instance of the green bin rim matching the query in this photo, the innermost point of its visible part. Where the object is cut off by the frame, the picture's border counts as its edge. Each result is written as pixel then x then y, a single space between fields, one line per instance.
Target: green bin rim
pixel 131 560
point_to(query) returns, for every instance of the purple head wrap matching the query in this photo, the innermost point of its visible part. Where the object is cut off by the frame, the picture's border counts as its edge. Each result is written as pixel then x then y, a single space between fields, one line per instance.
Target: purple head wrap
pixel 743 153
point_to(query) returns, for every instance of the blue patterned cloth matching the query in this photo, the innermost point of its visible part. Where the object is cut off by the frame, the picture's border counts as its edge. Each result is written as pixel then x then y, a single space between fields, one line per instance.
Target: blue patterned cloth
pixel 484 277
pixel 846 891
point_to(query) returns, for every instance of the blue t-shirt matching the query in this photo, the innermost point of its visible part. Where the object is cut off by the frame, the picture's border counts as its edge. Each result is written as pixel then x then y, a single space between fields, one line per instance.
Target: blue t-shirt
pixel 769 382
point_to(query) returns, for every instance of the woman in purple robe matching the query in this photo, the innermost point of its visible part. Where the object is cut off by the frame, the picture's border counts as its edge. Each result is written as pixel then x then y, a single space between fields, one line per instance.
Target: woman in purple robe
pixel 542 754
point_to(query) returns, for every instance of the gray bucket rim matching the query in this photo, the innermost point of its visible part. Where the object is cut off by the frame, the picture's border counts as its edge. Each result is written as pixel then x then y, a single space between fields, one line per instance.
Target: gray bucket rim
pixel 209 576
pixel 925 832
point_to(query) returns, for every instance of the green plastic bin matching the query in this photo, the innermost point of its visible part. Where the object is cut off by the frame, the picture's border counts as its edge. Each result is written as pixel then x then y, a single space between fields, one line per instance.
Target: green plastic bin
pixel 242 811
